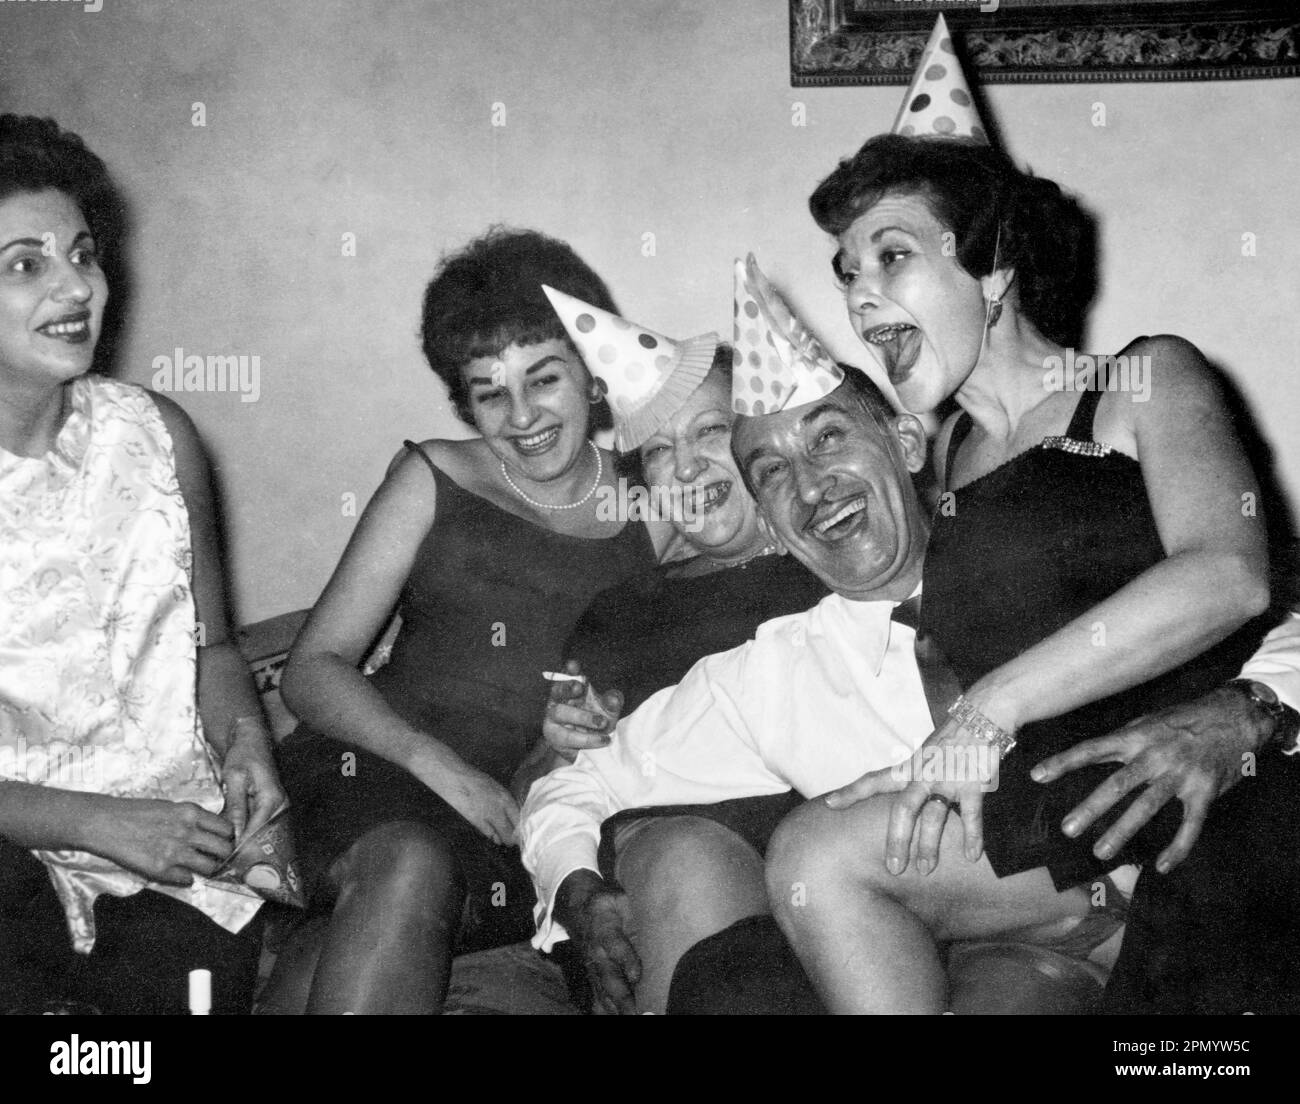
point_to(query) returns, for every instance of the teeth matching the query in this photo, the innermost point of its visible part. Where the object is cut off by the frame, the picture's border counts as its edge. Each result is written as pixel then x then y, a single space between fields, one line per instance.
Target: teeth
pixel 539 439
pixel 847 510
pixel 882 334
pixel 62 329
pixel 715 492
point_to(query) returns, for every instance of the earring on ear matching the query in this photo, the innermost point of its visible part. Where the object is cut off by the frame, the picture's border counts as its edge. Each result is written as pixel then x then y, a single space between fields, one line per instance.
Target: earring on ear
pixel 994 309
pixel 993 313
pixel 595 393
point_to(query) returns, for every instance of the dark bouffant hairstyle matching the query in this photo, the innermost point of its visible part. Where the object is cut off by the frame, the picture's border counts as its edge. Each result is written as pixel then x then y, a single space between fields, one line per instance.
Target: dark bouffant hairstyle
pixel 975 190
pixel 36 155
pixel 489 296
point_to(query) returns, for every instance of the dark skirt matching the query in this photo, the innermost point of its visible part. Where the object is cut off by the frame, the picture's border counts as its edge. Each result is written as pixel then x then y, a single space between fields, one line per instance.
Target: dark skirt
pixel 145 947
pixel 333 807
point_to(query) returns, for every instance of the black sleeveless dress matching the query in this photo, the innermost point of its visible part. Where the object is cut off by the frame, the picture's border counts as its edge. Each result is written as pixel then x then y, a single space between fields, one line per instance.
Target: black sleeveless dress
pixel 490 601
pixel 1029 547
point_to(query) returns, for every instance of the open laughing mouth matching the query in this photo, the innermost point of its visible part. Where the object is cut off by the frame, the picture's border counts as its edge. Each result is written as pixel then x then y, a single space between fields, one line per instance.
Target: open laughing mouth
pixel 72 328
pixel 536 443
pixel 707 499
pixel 842 521
pixel 899 343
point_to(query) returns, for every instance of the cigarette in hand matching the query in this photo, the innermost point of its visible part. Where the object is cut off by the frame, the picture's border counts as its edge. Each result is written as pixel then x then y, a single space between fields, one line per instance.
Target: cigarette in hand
pixel 560 676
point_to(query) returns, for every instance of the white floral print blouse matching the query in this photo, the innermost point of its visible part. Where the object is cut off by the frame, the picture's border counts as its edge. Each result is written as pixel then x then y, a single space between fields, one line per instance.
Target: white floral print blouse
pixel 97 635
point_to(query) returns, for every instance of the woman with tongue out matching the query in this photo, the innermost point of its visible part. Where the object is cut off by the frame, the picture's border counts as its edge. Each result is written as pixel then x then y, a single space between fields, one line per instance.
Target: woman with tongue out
pixel 489 549
pixel 1091 560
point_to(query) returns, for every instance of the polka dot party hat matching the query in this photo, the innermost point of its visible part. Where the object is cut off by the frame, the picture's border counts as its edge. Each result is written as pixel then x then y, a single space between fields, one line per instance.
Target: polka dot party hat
pixel 939 100
pixel 646 376
pixel 778 364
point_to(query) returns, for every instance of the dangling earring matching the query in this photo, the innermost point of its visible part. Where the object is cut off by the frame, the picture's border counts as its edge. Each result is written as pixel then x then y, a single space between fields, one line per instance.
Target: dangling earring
pixel 993 313
pixel 994 309
pixel 595 394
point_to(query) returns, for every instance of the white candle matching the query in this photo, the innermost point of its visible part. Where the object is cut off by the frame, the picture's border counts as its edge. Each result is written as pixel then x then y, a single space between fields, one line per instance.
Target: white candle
pixel 200 992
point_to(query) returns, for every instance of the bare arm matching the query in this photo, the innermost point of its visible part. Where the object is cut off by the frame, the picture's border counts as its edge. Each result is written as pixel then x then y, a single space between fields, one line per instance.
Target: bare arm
pixel 1214 577
pixel 1213 580
pixel 322 684
pixel 227 699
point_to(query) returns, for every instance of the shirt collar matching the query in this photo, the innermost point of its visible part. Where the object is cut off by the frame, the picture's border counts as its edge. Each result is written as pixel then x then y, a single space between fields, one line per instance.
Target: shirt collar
pixel 867 625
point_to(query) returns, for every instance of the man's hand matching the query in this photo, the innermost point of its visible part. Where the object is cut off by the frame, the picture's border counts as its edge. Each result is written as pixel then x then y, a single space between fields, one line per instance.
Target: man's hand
pixel 577 718
pixel 596 915
pixel 248 775
pixel 1193 752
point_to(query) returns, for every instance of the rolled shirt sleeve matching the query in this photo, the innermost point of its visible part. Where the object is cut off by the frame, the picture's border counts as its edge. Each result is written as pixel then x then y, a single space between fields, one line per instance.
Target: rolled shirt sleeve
pixel 693 743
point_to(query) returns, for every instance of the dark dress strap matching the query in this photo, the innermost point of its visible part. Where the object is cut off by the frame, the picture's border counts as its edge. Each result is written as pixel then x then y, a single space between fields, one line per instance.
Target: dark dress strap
pixel 1085 413
pixel 423 456
pixel 961 427
pixel 1080 428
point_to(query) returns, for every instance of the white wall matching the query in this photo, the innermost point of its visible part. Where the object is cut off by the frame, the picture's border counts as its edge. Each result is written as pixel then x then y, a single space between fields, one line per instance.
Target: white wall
pixel 673 118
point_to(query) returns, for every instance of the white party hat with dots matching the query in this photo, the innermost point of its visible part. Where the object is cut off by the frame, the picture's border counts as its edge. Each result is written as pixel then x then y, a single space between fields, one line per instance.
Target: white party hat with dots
pixel 939 102
pixel 645 375
pixel 778 363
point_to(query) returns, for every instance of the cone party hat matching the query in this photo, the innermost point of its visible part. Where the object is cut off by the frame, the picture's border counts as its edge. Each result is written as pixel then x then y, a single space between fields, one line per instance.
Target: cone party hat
pixel 778 363
pixel 645 375
pixel 938 101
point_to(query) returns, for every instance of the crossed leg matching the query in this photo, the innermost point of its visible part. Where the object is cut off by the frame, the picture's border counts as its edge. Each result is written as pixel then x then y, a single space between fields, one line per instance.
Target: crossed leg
pixel 686 878
pixel 866 937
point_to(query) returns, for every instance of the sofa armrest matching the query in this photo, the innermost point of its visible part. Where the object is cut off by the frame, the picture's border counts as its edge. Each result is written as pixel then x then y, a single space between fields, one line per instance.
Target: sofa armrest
pixel 265 645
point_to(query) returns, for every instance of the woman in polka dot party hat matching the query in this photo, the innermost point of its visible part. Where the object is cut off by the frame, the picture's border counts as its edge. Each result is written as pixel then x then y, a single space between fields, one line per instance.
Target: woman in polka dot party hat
pixel 1090 549
pixel 647 633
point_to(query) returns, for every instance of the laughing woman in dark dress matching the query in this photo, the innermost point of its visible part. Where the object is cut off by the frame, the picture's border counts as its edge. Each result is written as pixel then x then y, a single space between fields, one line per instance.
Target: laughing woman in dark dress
pixel 1092 563
pixel 489 549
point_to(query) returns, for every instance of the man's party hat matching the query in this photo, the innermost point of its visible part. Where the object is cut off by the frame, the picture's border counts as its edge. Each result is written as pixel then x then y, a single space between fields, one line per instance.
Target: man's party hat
pixel 646 376
pixel 778 362
pixel 939 102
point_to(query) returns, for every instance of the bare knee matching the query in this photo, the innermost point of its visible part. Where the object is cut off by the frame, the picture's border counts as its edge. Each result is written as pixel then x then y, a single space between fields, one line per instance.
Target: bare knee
pixel 400 865
pixel 818 851
pixel 691 871
pixel 803 850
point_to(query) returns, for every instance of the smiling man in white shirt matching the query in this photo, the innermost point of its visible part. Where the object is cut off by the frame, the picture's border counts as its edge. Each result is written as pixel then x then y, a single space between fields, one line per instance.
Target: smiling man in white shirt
pixel 812 703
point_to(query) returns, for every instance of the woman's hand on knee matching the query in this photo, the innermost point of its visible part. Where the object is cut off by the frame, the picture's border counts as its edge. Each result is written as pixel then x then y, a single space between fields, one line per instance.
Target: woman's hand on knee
pixel 479 798
pixel 163 841
pixel 948 774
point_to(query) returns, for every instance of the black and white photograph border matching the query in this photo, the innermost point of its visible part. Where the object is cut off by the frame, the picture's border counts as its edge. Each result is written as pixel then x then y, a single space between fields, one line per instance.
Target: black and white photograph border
pixel 312 198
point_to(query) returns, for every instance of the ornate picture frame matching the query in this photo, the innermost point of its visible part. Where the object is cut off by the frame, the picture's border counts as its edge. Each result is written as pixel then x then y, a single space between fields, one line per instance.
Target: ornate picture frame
pixel 841 42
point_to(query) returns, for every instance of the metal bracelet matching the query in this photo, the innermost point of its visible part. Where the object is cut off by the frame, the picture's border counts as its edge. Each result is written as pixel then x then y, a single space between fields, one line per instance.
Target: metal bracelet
pixel 978 725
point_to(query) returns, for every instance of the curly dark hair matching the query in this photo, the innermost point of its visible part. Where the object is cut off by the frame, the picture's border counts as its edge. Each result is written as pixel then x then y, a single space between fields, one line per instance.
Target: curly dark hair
pixel 35 155
pixel 489 296
pixel 976 191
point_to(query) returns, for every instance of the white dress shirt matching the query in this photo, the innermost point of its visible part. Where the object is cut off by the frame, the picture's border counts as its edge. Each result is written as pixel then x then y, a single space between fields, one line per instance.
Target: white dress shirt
pixel 816 700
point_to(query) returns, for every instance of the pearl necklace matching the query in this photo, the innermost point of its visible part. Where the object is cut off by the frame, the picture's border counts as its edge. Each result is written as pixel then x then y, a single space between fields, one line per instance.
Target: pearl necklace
pixel 600 471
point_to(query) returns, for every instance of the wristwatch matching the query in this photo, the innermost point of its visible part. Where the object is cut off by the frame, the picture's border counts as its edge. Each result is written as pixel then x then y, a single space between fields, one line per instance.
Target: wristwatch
pixel 1286 721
